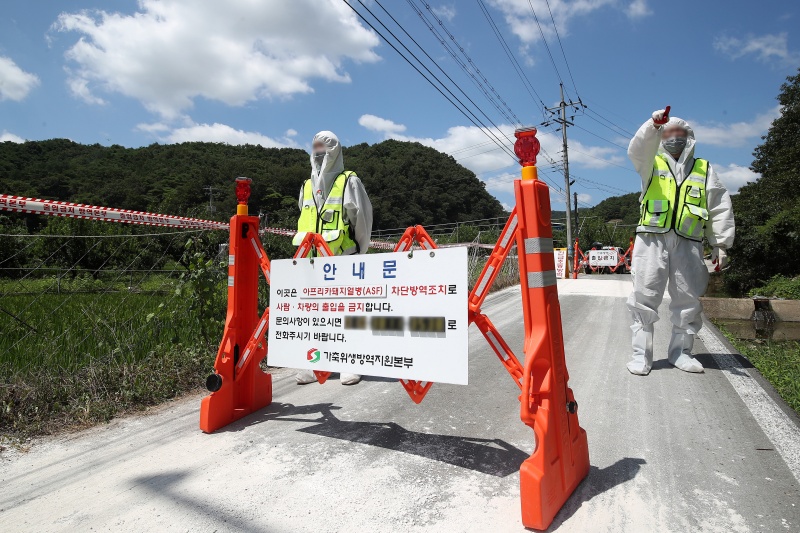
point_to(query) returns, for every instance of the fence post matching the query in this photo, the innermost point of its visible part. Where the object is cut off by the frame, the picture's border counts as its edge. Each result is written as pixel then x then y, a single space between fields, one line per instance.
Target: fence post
pixel 233 395
pixel 561 458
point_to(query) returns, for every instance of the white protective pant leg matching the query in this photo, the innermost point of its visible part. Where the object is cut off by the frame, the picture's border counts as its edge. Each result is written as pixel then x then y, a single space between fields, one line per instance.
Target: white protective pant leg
pixel 667 259
pixel 680 353
pixel 642 360
pixel 688 280
pixel 304 377
pixel 349 379
pixel 649 273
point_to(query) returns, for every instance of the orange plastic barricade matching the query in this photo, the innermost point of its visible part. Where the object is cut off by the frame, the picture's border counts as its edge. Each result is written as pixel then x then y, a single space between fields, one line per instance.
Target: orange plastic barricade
pixel 582 261
pixel 313 243
pixel 561 458
pixel 415 235
pixel 478 294
pixel 238 385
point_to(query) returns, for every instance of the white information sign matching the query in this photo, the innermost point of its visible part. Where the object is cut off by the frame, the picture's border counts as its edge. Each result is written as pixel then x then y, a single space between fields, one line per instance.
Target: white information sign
pixel 398 315
pixel 603 258
pixel 561 263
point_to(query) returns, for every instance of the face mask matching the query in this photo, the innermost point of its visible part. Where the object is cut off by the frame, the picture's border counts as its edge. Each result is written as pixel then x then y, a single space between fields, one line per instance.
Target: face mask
pixel 674 145
pixel 319 157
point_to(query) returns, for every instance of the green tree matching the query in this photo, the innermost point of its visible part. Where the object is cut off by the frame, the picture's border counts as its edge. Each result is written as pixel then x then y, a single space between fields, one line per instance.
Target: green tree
pixel 767 210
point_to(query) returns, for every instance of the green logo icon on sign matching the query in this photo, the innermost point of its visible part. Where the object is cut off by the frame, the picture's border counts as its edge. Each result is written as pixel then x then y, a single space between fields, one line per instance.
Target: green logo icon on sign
pixel 313 355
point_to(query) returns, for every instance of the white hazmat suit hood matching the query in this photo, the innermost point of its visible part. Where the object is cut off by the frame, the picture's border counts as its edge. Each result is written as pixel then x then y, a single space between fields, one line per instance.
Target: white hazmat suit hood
pixel 356 205
pixel 323 175
pixel 687 156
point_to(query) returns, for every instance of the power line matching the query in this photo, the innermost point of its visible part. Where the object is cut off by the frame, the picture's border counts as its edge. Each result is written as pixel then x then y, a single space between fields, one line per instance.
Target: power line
pixel 613 113
pixel 601 137
pixel 465 111
pixel 435 63
pixel 555 27
pixel 546 45
pixel 605 161
pixel 616 128
pixel 526 82
pixel 467 57
pixel 608 188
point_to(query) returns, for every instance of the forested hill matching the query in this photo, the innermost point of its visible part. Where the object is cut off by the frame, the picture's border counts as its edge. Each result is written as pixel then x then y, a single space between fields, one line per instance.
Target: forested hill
pixel 408 183
pixel 624 207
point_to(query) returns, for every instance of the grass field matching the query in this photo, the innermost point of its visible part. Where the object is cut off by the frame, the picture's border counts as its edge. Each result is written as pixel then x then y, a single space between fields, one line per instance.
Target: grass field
pixel 84 350
pixel 79 350
pixel 778 362
pixel 88 322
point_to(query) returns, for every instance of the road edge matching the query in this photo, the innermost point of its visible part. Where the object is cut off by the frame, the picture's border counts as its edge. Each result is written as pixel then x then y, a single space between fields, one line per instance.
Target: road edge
pixel 777 420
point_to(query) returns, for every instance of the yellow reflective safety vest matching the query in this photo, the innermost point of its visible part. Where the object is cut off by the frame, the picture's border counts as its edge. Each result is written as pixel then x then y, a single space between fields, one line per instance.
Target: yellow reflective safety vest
pixel 328 221
pixel 665 206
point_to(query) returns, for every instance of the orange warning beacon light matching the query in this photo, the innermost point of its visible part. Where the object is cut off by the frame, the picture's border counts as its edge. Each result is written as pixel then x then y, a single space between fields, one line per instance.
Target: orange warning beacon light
pixel 242 194
pixel 527 148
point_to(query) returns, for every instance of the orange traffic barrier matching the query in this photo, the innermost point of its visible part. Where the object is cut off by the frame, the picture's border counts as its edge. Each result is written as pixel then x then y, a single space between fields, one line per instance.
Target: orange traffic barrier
pixel 561 458
pixel 415 235
pixel 478 294
pixel 314 244
pixel 238 385
pixel 582 261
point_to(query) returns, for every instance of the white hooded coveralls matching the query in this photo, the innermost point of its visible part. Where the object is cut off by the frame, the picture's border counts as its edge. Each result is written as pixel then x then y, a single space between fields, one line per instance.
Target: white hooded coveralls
pixel 357 207
pixel 357 210
pixel 669 260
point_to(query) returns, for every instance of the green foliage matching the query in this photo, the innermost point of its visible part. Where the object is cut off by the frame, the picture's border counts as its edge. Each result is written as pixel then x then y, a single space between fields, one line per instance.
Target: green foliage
pixel 79 344
pixel 407 183
pixel 596 225
pixel 203 288
pixel 778 362
pixel 93 348
pixel 767 210
pixel 625 208
pixel 779 287
pixel 46 401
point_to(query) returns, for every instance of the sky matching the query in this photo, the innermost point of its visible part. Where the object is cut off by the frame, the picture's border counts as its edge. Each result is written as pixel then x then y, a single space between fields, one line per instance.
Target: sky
pixel 276 72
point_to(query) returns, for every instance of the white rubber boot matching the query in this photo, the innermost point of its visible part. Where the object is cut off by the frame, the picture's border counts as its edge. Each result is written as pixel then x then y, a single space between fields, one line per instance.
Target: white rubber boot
pixel 680 353
pixel 304 377
pixel 642 360
pixel 349 379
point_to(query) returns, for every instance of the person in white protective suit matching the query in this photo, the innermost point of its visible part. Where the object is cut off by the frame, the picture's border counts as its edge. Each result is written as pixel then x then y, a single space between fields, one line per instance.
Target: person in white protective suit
pixel 682 202
pixel 334 204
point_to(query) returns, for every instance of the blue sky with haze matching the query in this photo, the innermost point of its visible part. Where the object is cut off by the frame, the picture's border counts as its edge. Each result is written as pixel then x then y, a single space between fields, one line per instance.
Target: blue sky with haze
pixel 274 73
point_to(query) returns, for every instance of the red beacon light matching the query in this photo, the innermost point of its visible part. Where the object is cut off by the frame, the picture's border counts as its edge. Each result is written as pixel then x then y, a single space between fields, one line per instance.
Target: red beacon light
pixel 242 194
pixel 527 146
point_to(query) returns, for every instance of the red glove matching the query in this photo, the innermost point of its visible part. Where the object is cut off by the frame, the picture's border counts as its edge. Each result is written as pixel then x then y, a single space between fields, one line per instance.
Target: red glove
pixel 661 116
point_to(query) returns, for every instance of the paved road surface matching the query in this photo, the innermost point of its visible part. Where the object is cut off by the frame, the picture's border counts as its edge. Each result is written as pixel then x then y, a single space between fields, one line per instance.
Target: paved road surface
pixel 669 452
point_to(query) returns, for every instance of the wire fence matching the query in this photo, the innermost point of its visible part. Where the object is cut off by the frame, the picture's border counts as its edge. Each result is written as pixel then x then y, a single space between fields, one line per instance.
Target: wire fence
pixel 66 300
pixel 69 299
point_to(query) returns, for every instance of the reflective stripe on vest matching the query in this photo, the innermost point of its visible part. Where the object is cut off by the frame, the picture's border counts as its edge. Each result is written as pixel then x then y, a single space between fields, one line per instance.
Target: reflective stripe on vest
pixel 329 220
pixel 665 206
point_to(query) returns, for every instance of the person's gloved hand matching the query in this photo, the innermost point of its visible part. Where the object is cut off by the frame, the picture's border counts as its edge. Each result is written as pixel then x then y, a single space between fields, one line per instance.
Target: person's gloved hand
pixel 719 257
pixel 661 116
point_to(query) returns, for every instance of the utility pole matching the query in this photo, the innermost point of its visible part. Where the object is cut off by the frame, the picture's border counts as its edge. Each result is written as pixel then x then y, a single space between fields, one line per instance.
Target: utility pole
pixel 577 226
pixel 210 190
pixel 562 119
